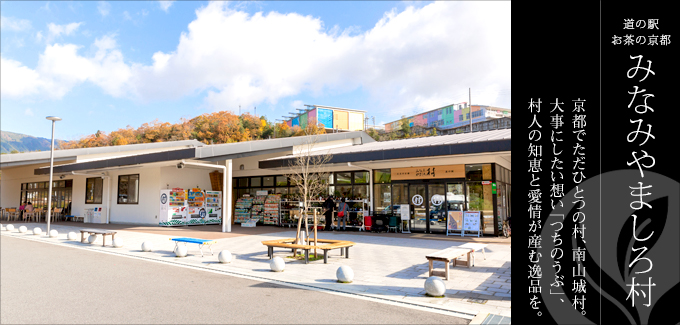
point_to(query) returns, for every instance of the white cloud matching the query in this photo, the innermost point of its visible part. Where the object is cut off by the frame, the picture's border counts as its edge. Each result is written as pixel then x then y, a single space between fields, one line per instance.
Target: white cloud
pixel 60 68
pixel 39 36
pixel 412 60
pixel 14 24
pixel 28 112
pixel 126 15
pixel 296 104
pixel 165 5
pixel 104 8
pixel 55 31
pixel 17 80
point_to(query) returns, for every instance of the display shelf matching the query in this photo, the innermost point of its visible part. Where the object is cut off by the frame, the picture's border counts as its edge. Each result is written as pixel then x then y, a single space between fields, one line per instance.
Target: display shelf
pixel 271 209
pixel 257 211
pixel 242 209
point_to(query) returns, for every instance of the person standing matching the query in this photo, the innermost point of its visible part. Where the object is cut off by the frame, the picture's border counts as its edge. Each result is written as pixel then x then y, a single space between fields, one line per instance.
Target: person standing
pixel 21 210
pixel 343 211
pixel 329 206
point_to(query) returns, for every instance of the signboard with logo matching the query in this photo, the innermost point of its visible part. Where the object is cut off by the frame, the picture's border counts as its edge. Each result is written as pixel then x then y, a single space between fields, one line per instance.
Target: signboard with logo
pixel 472 222
pixel 431 172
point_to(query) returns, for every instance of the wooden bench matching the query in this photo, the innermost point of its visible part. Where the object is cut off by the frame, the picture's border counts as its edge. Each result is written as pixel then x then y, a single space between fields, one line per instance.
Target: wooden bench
pixel 199 242
pixel 475 247
pixel 331 244
pixel 97 232
pixel 448 255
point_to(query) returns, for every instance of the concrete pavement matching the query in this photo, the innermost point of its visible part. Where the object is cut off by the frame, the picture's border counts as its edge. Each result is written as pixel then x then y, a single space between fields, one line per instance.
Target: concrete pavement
pixel 50 284
pixel 389 268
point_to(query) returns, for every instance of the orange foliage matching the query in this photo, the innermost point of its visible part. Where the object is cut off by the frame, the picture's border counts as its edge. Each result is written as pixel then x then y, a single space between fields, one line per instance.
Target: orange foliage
pixel 217 127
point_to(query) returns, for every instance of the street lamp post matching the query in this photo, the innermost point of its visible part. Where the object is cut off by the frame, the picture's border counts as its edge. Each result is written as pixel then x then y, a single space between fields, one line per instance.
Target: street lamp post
pixel 49 196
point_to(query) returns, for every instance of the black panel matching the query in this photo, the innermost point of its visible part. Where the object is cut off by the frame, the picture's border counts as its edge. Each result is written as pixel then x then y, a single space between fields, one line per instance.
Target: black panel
pixel 122 161
pixel 402 153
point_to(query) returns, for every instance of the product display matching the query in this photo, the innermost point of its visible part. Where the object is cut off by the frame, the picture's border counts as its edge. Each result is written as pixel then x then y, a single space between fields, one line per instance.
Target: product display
pixel 242 211
pixel 271 209
pixel 257 211
pixel 181 207
pixel 213 207
pixel 173 211
pixel 196 208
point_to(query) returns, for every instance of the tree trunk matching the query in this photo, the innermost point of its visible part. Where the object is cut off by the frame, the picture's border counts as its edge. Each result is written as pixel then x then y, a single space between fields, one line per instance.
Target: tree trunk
pixel 315 223
pixel 297 237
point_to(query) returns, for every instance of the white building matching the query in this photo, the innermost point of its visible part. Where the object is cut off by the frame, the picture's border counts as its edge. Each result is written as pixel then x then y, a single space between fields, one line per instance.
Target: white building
pixel 126 180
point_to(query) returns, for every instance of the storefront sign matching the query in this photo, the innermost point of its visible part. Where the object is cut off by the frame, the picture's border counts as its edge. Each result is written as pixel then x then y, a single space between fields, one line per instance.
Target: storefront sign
pixel 493 188
pixel 455 221
pixel 432 172
pixel 486 182
pixel 471 222
pixel 405 212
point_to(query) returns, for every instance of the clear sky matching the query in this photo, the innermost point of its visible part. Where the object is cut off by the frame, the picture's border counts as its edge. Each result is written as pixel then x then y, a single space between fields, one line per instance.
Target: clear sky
pixel 103 65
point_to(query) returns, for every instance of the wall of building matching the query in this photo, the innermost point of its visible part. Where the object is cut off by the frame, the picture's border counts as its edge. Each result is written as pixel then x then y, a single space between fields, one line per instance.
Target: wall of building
pixel 146 211
pixel 187 177
pixel 356 121
pixel 340 120
pixel 325 117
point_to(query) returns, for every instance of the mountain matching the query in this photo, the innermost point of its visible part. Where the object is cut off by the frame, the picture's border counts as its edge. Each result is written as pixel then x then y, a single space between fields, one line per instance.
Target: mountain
pixel 24 143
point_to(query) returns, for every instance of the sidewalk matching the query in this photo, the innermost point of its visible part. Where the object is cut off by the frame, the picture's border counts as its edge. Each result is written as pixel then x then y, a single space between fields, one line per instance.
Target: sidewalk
pixel 391 267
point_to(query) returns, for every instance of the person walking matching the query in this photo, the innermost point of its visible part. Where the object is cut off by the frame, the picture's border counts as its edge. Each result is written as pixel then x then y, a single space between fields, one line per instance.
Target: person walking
pixel 329 206
pixel 343 211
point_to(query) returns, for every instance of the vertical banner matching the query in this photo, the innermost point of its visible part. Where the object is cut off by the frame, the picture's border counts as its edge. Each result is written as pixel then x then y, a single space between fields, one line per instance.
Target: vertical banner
pixel 598 217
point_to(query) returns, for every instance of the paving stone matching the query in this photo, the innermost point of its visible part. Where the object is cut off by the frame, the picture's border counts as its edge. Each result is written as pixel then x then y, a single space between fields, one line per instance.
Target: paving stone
pixel 377 272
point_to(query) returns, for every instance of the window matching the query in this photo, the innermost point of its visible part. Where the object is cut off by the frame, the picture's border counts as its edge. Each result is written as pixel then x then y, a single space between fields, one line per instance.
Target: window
pixel 360 177
pixel 343 178
pixel 268 181
pixel 93 190
pixel 478 172
pixel 255 182
pixel 128 189
pixel 382 176
pixel 281 181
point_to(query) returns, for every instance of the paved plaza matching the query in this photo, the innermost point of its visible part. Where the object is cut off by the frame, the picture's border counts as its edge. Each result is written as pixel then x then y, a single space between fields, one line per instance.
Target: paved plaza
pixel 390 268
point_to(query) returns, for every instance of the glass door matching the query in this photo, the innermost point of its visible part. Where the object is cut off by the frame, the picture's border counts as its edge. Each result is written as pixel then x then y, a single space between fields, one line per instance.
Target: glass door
pixel 418 202
pixel 455 201
pixel 437 211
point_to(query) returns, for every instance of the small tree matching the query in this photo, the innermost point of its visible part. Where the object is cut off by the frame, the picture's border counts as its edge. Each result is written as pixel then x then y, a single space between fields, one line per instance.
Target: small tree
pixel 308 173
pixel 405 126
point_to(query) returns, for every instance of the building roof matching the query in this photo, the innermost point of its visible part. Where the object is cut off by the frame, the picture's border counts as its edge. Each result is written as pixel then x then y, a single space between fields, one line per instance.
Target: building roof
pixel 252 148
pixel 454 144
pixel 216 152
pixel 30 158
